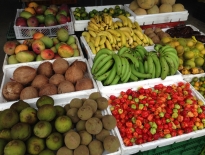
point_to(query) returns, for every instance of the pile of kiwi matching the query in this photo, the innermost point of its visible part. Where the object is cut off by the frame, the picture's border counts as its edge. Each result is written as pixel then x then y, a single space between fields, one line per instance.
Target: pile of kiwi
pixel 47 79
pixel 77 128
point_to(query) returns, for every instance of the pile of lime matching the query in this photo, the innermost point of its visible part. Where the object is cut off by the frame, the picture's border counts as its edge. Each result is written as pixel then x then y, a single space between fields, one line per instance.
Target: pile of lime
pixel 80 13
pixel 199 84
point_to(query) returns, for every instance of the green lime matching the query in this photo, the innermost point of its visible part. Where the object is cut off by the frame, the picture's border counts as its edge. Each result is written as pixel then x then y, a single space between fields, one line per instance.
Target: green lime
pixel 203 85
pixel 195 79
pixel 202 78
pixel 192 83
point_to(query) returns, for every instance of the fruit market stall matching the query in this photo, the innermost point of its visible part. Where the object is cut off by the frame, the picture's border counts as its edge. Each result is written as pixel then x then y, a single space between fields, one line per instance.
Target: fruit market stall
pixel 108 80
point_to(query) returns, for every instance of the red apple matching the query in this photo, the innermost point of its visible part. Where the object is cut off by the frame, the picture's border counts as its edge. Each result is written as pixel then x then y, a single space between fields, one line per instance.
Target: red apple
pixel 47 54
pixel 40 9
pixel 62 19
pixel 20 21
pixel 32 21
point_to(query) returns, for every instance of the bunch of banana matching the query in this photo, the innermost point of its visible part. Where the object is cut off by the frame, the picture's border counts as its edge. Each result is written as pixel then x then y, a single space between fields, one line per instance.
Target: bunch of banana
pixel 103 32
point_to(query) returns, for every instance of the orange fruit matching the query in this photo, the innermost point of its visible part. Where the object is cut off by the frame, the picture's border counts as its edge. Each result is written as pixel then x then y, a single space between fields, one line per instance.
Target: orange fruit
pixel 37 35
pixel 21 47
pixel 31 10
pixel 32 5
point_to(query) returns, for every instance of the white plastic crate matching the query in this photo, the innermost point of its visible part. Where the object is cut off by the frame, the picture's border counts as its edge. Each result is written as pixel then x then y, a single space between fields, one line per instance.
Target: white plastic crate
pixel 80 25
pixel 8 75
pixel 6 65
pixel 27 32
pixel 158 18
pixel 127 150
pixel 62 101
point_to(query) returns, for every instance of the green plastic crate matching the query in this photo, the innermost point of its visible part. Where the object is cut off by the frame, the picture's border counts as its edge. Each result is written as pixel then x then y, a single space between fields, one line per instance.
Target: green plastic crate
pixel 10 32
pixel 189 147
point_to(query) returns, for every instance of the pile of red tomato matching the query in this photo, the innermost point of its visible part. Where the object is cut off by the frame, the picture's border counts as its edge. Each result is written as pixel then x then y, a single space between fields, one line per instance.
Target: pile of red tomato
pixel 148 114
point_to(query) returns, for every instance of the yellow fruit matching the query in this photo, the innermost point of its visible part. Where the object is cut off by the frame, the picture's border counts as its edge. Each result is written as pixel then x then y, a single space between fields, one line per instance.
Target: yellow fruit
pixel 199 46
pixel 21 47
pixel 180 61
pixel 176 43
pixel 199 61
pixel 190 43
pixel 188 55
pixel 166 40
pixel 180 49
pixel 189 63
pixel 31 10
pixel 33 5
pixel 202 51
pixel 172 44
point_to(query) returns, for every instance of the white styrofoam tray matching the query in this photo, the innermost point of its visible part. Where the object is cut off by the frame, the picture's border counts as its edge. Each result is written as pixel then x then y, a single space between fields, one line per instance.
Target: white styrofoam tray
pixel 27 32
pixel 159 17
pixel 127 150
pixel 8 75
pixel 80 25
pixel 62 101
pixel 6 65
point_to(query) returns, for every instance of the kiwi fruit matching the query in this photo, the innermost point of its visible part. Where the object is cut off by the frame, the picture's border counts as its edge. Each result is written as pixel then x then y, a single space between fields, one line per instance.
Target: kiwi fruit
pixel 21 131
pixel 102 103
pixel 96 147
pixel 34 145
pixel 47 152
pixel 80 125
pixel 39 81
pixel 60 110
pixel 11 90
pixel 91 103
pixel 48 89
pixel 73 73
pixel 84 84
pixel 60 66
pixel 24 74
pixel 94 95
pixel 111 143
pixel 42 129
pixel 44 99
pixel 76 103
pixel 56 79
pixel 73 114
pixel 19 105
pixel 109 122
pixel 8 118
pixel 28 93
pixel 54 141
pixel 28 115
pixel 93 125
pixel 63 123
pixel 64 151
pixel 16 147
pixel 103 133
pixel 45 68
pixel 81 149
pixel 72 140
pixel 98 114
pixel 85 112
pixel 46 112
pixel 148 31
pixel 80 64
pixel 65 87
pixel 85 137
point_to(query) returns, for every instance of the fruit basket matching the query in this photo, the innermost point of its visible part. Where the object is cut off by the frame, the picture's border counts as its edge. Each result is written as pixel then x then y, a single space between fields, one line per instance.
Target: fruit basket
pixel 6 65
pixel 8 75
pixel 27 32
pixel 158 18
pixel 80 25
pixel 61 101
pixel 162 142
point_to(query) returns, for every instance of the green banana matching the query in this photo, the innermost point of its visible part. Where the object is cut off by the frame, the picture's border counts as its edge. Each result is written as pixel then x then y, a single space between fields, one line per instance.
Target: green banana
pixel 132 58
pixel 116 80
pixel 111 76
pixel 157 47
pixel 165 68
pixel 169 50
pixel 103 51
pixel 153 72
pixel 137 55
pixel 133 77
pixel 102 63
pixel 157 65
pixel 118 63
pixel 103 76
pixel 138 74
pixel 123 50
pixel 141 67
pixel 127 66
pixel 127 76
pixel 171 64
pixel 145 66
pixel 97 61
pixel 150 64
pixel 174 57
pixel 163 48
pixel 105 68
pixel 142 48
pixel 123 66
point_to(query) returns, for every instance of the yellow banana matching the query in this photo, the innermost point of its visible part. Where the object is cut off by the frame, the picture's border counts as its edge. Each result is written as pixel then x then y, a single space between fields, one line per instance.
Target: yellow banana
pixel 116 38
pixel 129 37
pixel 102 23
pixel 128 29
pixel 119 24
pixel 135 44
pixel 137 26
pixel 150 41
pixel 139 34
pixel 133 26
pixel 92 47
pixel 97 41
pixel 115 25
pixel 86 35
pixel 102 46
pixel 117 47
pixel 119 44
pixel 92 33
pixel 97 18
pixel 123 38
pixel 95 27
pixel 92 29
pixel 129 22
pixel 107 34
pixel 110 20
pixel 111 27
pixel 97 49
pixel 145 39
pixel 108 45
pixel 102 40
pixel 124 20
pixel 93 20
pixel 138 40
pixel 106 19
pixel 92 39
pixel 114 32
